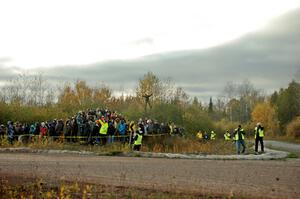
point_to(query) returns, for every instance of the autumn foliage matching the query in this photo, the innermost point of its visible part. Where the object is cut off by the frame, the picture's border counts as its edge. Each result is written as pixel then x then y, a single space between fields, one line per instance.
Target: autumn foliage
pixel 30 98
pixel 265 114
pixel 293 128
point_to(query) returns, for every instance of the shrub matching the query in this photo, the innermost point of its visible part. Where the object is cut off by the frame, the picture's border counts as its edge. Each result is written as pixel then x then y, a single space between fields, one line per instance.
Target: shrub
pixel 293 128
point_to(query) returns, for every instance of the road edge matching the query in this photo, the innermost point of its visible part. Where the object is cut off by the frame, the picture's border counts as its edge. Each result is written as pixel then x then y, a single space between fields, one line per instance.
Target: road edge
pixel 269 154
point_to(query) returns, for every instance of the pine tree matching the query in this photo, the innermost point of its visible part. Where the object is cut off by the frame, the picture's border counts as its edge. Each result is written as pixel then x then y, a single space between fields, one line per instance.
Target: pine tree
pixel 210 106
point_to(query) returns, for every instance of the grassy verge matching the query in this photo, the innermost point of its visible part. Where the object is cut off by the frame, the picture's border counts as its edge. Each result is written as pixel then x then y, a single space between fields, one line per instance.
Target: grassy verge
pixel 293 155
pixel 165 144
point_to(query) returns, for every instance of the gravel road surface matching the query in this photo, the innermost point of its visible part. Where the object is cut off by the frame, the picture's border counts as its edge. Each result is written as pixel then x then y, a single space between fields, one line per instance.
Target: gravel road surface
pixel 249 178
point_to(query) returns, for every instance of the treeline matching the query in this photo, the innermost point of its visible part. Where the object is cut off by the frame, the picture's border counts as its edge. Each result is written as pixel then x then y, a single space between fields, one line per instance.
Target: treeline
pixel 31 98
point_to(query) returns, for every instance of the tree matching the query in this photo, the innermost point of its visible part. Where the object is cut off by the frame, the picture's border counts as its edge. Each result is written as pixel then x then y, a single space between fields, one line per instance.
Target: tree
pixel 274 98
pixel 241 100
pixel 67 99
pixel 233 110
pixel 101 95
pixel 265 114
pixel 288 103
pixel 149 84
pixel 293 128
pixel 83 93
pixel 230 90
pixel 196 103
pixel 180 96
pixel 210 105
pixel 195 119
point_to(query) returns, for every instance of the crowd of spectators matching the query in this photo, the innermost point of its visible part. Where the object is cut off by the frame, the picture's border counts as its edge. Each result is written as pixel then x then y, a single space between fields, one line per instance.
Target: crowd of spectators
pixel 85 127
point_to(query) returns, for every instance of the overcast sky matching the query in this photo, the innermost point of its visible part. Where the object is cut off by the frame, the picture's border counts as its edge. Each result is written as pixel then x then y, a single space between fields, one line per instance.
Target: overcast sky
pixel 201 45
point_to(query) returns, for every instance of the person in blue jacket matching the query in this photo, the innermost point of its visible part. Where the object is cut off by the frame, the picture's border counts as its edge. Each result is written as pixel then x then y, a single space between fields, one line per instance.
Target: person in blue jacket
pixel 10 132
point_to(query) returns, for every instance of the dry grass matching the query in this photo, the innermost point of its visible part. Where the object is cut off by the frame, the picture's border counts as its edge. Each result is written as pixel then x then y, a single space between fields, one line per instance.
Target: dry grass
pixel 38 188
pixel 188 146
pixel 165 144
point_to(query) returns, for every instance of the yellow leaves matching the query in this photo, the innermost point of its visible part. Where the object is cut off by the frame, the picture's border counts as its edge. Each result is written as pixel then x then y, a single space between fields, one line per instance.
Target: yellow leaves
pixel 265 114
pixel 293 128
pixel 50 194
pixel 87 192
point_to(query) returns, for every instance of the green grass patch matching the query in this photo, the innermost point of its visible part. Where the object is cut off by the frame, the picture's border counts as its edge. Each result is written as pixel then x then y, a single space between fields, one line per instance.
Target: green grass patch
pixel 292 155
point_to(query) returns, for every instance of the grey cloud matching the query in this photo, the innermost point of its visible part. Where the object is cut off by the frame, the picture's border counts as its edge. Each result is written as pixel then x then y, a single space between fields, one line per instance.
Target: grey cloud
pixel 269 58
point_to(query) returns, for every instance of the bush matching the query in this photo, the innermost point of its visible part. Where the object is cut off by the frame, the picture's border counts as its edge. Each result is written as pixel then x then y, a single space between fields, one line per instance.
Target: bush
pixel 195 119
pixel 293 128
pixel 223 125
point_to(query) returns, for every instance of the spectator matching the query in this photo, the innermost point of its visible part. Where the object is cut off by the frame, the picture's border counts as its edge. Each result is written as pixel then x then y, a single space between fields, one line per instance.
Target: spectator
pixel 227 136
pixel 89 129
pixel 239 137
pixel 95 133
pixel 213 135
pixel 68 130
pixel 79 121
pixel 132 130
pixel 59 129
pixel 156 127
pixel 205 135
pixel 103 130
pixel 199 135
pixel 259 137
pixel 138 140
pixel 111 131
pixel 74 127
pixel 10 132
pixel 122 130
pixel 43 130
pixel 2 131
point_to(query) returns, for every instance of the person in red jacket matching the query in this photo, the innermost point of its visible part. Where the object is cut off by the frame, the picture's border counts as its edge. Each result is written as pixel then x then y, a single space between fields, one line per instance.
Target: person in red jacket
pixel 43 130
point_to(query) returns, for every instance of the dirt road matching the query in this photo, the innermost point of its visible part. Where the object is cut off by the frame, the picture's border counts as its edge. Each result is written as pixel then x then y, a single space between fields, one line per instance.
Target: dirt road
pixel 262 179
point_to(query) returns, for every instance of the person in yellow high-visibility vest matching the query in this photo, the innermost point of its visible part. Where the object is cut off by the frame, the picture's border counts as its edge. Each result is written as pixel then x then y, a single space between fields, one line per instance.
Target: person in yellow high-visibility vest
pixel 138 140
pixel 213 135
pixel 239 138
pixel 199 135
pixel 103 130
pixel 132 129
pixel 259 137
pixel 227 136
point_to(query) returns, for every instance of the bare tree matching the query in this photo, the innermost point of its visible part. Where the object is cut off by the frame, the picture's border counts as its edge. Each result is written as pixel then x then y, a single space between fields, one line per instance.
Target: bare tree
pixel 230 91
pixel 26 89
